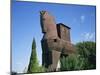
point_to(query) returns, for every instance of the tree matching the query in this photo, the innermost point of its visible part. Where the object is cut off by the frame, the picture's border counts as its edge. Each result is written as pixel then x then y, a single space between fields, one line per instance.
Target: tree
pixel 85 57
pixel 87 50
pixel 33 64
pixel 71 62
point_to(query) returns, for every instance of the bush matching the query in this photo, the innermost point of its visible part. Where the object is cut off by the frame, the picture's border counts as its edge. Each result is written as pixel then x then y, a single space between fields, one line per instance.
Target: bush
pixel 84 59
pixel 42 69
pixel 87 50
pixel 72 62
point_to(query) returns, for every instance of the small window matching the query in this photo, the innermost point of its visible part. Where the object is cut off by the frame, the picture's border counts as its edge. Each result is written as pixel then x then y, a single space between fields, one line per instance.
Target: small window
pixel 55 40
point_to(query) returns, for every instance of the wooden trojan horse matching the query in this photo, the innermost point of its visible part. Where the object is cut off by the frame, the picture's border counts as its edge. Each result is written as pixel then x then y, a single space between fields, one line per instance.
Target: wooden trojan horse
pixel 55 42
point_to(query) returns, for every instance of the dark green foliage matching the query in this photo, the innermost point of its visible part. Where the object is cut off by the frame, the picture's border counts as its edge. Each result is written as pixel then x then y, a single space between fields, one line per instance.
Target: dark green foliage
pixel 33 65
pixel 84 59
pixel 87 50
pixel 41 69
pixel 72 62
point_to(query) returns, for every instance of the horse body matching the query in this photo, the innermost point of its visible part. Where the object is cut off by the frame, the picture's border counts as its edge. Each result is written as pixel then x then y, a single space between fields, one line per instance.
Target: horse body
pixel 54 43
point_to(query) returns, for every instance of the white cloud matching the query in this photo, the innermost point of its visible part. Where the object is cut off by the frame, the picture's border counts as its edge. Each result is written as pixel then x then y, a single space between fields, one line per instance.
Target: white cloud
pixel 82 18
pixel 87 36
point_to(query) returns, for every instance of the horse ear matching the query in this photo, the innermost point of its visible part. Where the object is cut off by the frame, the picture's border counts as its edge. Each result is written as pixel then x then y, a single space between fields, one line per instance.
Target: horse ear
pixel 42 12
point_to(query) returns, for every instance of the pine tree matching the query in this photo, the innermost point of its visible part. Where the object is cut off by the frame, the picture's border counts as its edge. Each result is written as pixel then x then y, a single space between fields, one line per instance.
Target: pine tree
pixel 33 64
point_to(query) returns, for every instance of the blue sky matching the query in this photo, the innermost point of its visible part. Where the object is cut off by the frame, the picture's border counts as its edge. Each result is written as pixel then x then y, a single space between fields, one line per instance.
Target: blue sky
pixel 26 25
